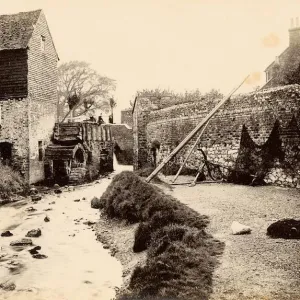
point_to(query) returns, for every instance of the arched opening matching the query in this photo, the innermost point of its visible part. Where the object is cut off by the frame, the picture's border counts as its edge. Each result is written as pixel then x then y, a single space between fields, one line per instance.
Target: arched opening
pixel 79 156
pixel 155 146
pixel 6 153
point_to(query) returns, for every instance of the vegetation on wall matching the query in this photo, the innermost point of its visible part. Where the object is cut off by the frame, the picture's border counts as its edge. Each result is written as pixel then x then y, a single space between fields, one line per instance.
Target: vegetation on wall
pixel 254 161
pixel 174 98
pixel 11 183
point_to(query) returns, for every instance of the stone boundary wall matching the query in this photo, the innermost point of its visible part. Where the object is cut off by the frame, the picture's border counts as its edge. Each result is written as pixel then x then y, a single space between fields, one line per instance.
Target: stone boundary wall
pixel 126 117
pixel 221 140
pixel 123 143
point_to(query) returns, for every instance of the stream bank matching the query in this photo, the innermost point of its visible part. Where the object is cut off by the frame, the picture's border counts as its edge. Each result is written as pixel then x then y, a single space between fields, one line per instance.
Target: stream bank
pixel 76 265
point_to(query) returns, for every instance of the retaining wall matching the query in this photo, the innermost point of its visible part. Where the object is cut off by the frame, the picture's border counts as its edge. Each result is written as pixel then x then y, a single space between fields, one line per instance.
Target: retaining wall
pixel 257 113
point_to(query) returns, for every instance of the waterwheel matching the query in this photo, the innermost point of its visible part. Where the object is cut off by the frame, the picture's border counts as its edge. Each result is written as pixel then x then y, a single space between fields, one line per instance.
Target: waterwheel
pixel 69 163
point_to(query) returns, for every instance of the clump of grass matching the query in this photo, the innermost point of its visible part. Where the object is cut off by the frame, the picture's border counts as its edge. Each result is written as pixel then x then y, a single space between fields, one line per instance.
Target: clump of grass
pixel 11 183
pixel 181 255
pixel 145 172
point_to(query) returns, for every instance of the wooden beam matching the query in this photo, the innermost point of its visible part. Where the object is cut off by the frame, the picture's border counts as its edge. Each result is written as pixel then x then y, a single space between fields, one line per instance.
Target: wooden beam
pixel 192 134
pixel 190 152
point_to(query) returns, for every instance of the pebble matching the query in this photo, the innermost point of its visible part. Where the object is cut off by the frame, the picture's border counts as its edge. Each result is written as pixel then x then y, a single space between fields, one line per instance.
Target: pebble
pixel 6 233
pixel 34 233
pixel 22 242
pixel 8 286
pixel 39 256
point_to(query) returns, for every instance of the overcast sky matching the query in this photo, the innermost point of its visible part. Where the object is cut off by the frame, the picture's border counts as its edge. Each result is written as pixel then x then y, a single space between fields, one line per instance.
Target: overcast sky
pixel 176 44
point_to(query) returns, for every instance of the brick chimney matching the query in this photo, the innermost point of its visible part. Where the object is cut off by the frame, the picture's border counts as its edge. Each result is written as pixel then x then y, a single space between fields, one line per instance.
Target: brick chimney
pixel 294 32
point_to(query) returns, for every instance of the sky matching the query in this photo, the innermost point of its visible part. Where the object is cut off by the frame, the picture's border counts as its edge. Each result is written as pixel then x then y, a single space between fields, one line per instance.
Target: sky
pixel 169 44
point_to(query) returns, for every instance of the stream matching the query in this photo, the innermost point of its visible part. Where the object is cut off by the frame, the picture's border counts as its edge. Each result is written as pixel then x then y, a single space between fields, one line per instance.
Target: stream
pixel 77 267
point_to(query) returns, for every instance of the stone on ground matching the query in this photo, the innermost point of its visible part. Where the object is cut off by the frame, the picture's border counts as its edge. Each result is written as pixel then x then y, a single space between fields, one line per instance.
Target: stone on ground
pixel 33 191
pixel 36 197
pixel 7 286
pixel 30 209
pixel 238 228
pixel 89 223
pixel 6 233
pixel 34 233
pixel 47 219
pixel 39 256
pixel 35 250
pixel 22 242
pixel 95 203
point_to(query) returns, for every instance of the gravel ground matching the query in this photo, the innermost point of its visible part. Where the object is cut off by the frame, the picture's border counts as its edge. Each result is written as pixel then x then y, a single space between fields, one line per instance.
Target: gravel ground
pixel 252 266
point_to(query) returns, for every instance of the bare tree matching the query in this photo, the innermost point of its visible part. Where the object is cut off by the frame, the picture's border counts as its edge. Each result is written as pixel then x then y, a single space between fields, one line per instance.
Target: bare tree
pixel 112 104
pixel 82 90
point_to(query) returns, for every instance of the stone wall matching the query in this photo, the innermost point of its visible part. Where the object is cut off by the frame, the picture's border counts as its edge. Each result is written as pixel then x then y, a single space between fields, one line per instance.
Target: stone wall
pixel 42 82
pixel 126 117
pixel 256 112
pixel 98 145
pixel 14 129
pixel 123 143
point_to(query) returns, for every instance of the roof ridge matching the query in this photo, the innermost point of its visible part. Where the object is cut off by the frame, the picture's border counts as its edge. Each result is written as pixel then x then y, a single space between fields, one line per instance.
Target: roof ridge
pixel 21 12
pixel 16 29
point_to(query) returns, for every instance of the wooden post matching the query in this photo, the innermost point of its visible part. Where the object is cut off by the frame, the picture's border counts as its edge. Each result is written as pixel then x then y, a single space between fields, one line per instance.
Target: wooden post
pixel 198 173
pixel 190 152
pixel 191 134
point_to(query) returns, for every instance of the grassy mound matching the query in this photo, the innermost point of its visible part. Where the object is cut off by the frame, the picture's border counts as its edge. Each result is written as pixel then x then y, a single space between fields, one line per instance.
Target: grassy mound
pixel 285 229
pixel 145 172
pixel 181 255
pixel 11 183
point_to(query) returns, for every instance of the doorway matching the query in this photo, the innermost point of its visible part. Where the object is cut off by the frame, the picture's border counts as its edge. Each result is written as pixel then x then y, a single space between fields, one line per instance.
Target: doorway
pixel 6 153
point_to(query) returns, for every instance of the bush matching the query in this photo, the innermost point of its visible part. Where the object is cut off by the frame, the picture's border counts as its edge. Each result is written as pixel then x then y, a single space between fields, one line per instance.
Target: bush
pixel 180 258
pixel 179 271
pixel 96 203
pixel 285 229
pixel 142 237
pixel 145 172
pixel 11 183
pixel 144 201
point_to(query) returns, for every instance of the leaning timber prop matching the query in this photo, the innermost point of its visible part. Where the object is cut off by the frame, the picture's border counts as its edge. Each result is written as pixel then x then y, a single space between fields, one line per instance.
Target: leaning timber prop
pixel 192 133
pixel 190 152
pixel 200 169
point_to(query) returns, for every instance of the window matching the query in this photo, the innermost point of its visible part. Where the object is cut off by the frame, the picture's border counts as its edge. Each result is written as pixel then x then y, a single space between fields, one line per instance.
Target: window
pixel 43 39
pixel 41 152
pixel 267 76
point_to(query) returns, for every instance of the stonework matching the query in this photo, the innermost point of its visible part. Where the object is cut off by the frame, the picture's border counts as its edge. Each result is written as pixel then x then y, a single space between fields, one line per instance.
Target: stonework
pixel 126 117
pixel 221 141
pixel 28 100
pixel 42 82
pixel 123 143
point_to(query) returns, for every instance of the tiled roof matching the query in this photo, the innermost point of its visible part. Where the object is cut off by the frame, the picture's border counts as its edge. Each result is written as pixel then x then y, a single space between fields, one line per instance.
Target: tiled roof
pixel 280 56
pixel 16 30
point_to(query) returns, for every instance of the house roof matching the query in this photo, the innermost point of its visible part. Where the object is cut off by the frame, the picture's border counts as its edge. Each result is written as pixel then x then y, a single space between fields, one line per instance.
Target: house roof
pixel 16 30
pixel 280 56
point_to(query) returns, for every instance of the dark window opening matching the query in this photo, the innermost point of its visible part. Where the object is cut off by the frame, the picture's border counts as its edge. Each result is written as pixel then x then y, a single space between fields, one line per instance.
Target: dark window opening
pixel 41 152
pixel 6 153
pixel 79 156
pixel 43 39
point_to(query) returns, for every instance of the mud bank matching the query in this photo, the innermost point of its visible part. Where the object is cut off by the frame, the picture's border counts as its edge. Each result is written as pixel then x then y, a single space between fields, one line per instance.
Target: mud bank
pixel 118 237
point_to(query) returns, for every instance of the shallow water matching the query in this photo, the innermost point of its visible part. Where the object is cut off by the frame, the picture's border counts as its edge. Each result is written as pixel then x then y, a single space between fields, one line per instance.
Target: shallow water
pixel 76 267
